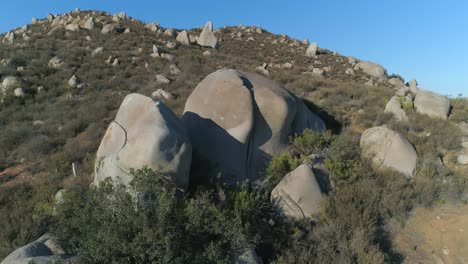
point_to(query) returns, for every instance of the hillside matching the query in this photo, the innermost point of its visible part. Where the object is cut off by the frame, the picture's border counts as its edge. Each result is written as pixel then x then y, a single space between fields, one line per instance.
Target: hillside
pixel 55 122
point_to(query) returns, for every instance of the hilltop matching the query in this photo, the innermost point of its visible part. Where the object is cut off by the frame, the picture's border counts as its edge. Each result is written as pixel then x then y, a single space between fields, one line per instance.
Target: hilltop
pixel 65 77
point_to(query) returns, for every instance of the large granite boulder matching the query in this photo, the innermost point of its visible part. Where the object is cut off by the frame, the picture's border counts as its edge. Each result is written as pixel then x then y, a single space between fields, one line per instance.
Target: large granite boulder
pixel 372 69
pixel 207 37
pixel 144 133
pixel 44 250
pixel 237 120
pixel 432 104
pixel 394 107
pixel 298 194
pixel 389 149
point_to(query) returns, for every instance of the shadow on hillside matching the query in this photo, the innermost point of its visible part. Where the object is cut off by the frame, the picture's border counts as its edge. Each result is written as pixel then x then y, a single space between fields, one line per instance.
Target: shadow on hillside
pixel 329 120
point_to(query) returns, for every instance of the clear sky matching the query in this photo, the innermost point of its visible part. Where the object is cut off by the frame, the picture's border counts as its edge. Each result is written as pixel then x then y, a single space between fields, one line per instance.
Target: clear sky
pixel 426 40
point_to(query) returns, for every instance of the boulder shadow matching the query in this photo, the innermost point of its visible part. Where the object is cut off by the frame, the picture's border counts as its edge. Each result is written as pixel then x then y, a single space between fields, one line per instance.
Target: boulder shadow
pixel 329 120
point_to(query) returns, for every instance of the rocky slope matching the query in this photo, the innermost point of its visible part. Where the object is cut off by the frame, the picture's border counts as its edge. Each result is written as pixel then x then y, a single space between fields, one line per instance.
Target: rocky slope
pixel 68 78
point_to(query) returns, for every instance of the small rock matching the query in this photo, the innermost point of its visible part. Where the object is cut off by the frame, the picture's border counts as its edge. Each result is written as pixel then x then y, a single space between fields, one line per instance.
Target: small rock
pixel 38 123
pixel 171 45
pixel 175 70
pixel 349 71
pixel 97 51
pixel 72 81
pixel 161 79
pixel 168 57
pixel 162 94
pixel 207 53
pixel 19 92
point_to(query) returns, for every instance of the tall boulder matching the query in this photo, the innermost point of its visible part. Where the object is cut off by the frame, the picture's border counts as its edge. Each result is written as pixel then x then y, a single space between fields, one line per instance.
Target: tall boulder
pixel 298 194
pixel 312 50
pixel 237 120
pixel 183 38
pixel 207 37
pixel 44 250
pixel 432 104
pixel 389 149
pixel 372 69
pixel 394 107
pixel 144 133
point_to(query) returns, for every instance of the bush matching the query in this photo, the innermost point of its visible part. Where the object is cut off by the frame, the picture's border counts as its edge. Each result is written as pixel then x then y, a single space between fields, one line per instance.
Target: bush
pixel 109 224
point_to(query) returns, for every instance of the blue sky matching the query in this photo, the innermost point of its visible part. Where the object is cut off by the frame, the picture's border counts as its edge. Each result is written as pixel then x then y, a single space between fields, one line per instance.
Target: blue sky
pixel 426 40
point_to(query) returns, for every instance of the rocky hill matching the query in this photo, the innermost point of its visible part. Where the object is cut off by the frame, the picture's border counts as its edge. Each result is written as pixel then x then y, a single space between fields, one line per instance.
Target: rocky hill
pixel 256 146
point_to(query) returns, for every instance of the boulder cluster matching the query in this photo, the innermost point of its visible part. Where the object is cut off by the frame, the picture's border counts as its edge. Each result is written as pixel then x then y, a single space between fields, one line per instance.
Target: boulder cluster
pixel 409 97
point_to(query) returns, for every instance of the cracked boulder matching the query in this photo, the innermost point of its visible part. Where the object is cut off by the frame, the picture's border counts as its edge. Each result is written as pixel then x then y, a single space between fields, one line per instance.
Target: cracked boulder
pixel 236 121
pixel 389 149
pixel 144 133
pixel 298 194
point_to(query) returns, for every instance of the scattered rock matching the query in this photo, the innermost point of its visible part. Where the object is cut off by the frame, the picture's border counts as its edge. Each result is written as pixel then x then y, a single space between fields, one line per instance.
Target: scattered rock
pixel 462 159
pixel 116 62
pixel 287 65
pixel 263 69
pixel 318 71
pixel 97 51
pixel 72 82
pixel 183 38
pixel 174 69
pixel 168 57
pixel 349 71
pixel 397 82
pixel 171 45
pixel 252 116
pixel 207 37
pixel 249 256
pixel 72 27
pixel 38 123
pixel 152 26
pixel 432 104
pixel 372 69
pixel 55 63
pixel 170 32
pixel 88 24
pixel 389 149
pixel 305 42
pixel 161 79
pixel 298 194
pixel 162 94
pixel 9 83
pixel 312 50
pixel 144 133
pixel 107 29
pixel 18 92
pixel 207 53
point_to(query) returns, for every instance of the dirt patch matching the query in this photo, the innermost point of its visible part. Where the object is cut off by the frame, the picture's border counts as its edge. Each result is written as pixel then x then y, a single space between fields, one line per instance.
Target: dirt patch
pixel 438 235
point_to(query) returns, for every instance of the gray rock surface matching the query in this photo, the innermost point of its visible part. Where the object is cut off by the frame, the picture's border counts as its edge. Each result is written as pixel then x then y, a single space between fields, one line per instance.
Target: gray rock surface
pixel 183 38
pixel 298 194
pixel 390 149
pixel 144 133
pixel 432 104
pixel 44 250
pixel 248 115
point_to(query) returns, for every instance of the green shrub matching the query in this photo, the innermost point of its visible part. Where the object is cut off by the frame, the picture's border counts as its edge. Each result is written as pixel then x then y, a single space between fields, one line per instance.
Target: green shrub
pixel 108 224
pixel 280 166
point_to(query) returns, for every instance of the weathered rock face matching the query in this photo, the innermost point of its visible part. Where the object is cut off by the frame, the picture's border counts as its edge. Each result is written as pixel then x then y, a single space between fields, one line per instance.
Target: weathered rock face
pixel 432 104
pixel 144 133
pixel 43 250
pixel 238 134
pixel 298 194
pixel 394 106
pixel 207 37
pixel 9 83
pixel 389 149
pixel 372 69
